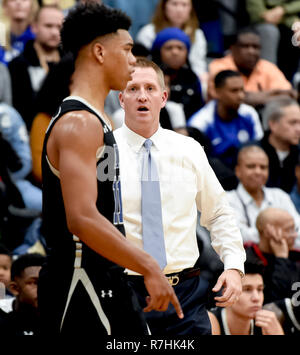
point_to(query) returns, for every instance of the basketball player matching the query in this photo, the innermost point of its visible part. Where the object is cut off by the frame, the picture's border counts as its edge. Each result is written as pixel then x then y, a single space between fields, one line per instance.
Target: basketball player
pixel 83 289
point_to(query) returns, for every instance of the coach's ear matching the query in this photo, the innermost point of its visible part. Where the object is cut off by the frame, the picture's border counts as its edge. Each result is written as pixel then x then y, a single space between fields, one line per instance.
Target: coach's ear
pixel 164 98
pixel 121 99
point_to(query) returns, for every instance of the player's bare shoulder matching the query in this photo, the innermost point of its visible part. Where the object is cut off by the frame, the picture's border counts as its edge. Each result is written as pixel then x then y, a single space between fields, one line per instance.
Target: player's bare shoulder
pixel 75 131
pixel 78 127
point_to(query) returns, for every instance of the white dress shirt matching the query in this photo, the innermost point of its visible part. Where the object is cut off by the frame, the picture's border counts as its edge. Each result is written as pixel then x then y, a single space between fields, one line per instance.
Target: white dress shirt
pixel 247 210
pixel 187 182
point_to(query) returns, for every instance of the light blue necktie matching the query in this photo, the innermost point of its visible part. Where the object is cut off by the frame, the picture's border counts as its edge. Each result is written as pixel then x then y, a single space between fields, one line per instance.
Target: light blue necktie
pixel 152 227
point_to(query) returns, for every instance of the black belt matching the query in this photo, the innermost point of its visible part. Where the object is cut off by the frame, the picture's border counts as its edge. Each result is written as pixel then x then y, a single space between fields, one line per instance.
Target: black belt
pixel 176 277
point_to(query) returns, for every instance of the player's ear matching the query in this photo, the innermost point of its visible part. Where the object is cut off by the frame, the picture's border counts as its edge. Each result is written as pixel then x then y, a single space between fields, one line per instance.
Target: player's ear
pixel 98 51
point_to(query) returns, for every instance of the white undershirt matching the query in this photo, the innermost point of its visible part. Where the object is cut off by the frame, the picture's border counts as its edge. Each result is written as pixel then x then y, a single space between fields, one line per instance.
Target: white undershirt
pixel 282 155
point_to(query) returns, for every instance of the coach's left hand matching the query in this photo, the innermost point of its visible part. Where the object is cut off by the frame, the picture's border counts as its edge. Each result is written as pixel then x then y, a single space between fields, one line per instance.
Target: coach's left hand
pixel 230 280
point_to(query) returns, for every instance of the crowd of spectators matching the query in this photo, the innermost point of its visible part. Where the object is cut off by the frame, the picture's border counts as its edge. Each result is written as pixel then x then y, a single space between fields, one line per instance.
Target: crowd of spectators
pixel 230 69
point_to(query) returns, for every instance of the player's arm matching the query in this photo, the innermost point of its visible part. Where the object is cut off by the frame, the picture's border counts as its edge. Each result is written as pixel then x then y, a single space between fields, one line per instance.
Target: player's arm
pixel 72 149
pixel 215 326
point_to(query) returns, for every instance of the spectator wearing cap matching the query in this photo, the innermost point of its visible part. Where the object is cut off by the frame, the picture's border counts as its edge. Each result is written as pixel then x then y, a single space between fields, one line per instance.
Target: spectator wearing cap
pixel 170 51
pixel 181 14
pixel 168 34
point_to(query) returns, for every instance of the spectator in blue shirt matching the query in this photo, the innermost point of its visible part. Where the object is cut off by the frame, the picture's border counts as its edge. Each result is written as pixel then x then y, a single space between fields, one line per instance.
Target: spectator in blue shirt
pixel 23 226
pixel 226 121
pixel 17 17
pixel 13 130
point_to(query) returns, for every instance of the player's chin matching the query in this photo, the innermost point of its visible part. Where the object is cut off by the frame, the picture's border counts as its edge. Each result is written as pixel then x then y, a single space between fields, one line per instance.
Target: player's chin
pixel 123 83
pixel 129 78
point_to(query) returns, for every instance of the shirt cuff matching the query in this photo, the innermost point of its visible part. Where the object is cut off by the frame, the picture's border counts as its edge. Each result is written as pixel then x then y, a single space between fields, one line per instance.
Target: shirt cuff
pixel 234 262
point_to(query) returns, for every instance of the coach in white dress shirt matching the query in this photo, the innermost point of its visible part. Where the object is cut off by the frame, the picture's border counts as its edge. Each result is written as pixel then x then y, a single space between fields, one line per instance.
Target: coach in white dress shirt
pixel 187 183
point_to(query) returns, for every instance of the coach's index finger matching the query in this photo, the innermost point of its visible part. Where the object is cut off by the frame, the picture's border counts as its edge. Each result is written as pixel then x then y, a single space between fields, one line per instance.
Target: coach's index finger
pixel 177 306
pixel 173 300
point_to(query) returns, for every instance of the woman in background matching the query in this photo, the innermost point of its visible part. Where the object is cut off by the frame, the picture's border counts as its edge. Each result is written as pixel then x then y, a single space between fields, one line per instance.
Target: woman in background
pixel 17 16
pixel 181 14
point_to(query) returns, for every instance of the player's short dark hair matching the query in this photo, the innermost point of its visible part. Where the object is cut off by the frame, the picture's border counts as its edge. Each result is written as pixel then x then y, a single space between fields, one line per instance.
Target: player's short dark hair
pixel 222 76
pixel 88 21
pixel 24 261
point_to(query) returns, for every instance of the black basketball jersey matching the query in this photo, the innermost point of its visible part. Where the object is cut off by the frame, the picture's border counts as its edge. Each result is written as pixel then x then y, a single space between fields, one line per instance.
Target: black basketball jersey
pixel 291 320
pixel 61 243
pixel 220 314
pixel 79 291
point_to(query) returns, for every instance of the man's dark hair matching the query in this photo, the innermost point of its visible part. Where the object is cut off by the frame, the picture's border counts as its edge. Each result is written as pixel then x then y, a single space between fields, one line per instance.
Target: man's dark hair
pixel 222 76
pixel 253 265
pixel 242 31
pixel 88 21
pixel 24 261
pixel 254 268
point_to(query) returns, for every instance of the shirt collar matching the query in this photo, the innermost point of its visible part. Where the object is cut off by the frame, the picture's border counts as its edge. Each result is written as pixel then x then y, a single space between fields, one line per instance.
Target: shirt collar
pixel 257 69
pixel 243 194
pixel 268 195
pixel 247 198
pixel 135 141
